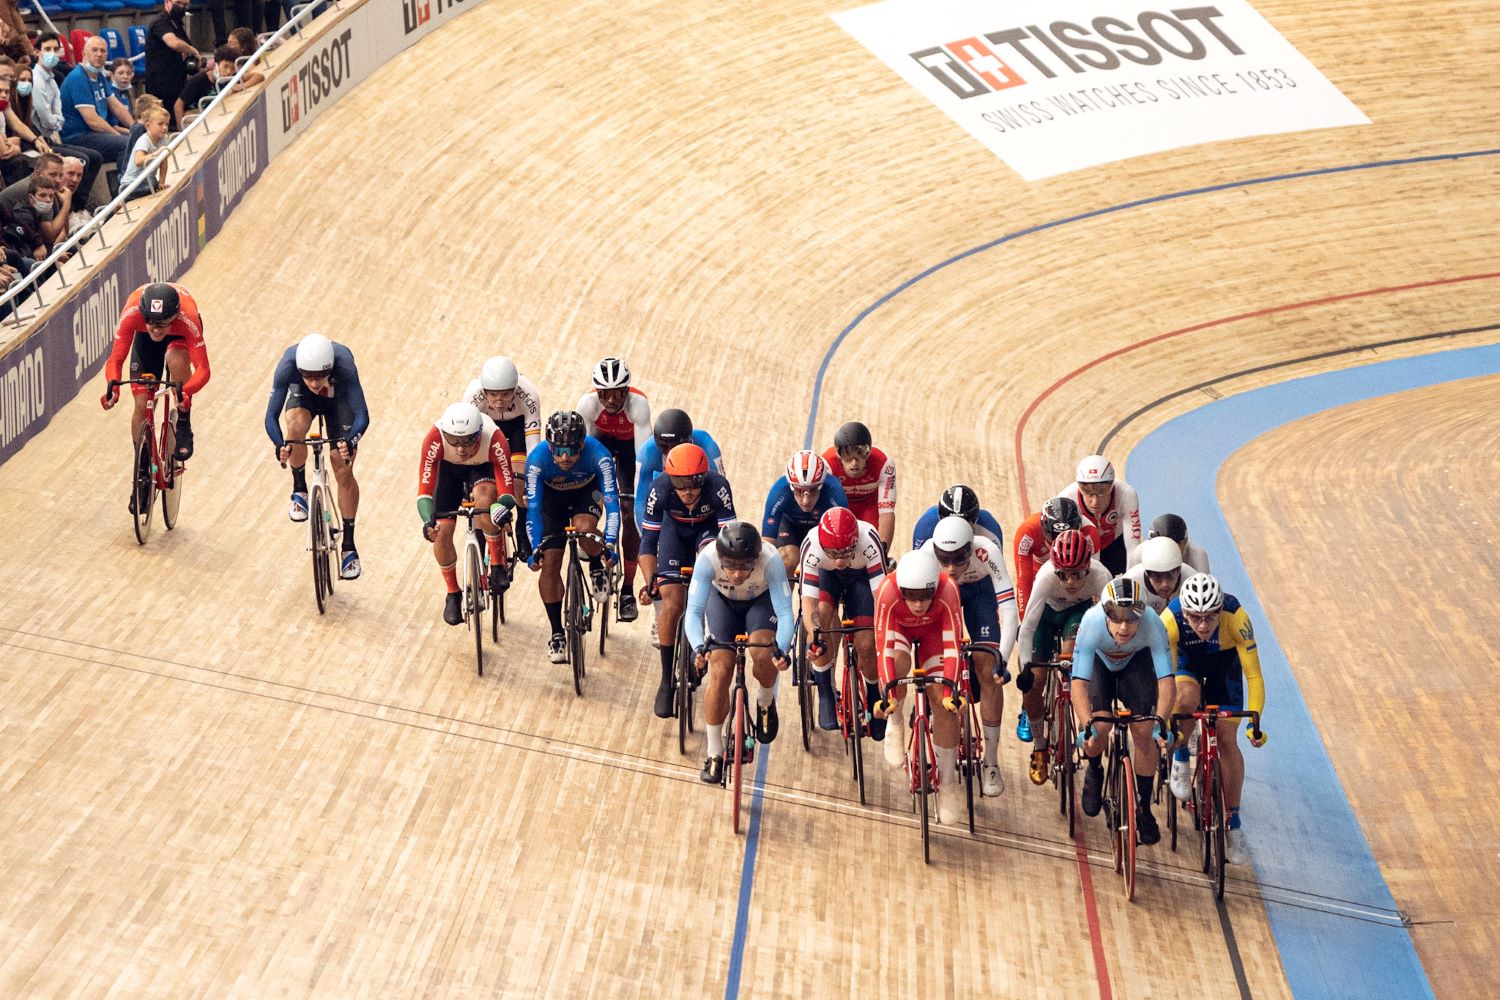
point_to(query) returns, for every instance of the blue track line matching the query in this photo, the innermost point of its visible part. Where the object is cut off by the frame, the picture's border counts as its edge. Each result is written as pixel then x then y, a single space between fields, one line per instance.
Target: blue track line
pixel 1350 941
pixel 747 869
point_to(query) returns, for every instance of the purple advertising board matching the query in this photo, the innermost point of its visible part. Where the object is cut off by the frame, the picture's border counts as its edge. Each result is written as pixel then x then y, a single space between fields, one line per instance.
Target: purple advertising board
pixel 42 373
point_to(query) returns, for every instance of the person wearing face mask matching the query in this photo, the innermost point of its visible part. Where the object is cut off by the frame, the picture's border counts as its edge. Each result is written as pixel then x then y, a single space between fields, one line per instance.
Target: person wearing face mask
pixel 14 166
pixel 121 84
pixel 166 48
pixel 87 104
pixel 205 84
pixel 244 43
pixel 46 212
pixel 46 110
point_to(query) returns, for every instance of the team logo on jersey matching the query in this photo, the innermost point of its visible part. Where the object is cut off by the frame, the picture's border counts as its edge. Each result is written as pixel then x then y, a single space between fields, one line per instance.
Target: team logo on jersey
pixel 1113 517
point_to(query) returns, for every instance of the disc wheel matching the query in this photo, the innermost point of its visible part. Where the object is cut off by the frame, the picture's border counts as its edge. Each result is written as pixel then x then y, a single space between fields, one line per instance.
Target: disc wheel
pixel 144 484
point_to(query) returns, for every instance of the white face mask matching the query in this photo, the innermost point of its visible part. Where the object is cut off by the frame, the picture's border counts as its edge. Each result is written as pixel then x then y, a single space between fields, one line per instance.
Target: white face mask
pixel 50 59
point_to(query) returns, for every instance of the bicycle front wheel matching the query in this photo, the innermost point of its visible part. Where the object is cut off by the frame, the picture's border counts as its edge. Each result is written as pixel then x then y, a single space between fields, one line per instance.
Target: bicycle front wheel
pixel 682 657
pixel 925 786
pixel 171 495
pixel 602 611
pixel 143 482
pixel 319 545
pixel 1217 834
pixel 573 619
pixel 803 680
pixel 474 598
pixel 969 761
pixel 740 711
pixel 1128 832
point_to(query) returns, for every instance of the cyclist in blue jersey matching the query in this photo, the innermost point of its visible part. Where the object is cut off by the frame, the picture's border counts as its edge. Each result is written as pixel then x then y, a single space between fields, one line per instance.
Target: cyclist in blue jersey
pixel 685 508
pixel 570 480
pixel 1122 653
pixel 318 377
pixel 796 502
pixel 963 502
pixel 672 428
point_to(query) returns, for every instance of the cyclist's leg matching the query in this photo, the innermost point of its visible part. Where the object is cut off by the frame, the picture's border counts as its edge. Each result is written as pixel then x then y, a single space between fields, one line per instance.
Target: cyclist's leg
pixel 181 369
pixel 725 622
pixel 983 623
pixel 760 624
pixel 673 552
pixel 1224 686
pixel 818 613
pixel 557 512
pixel 483 493
pixel 451 481
pixel 1188 697
pixel 630 534
pixel 343 470
pixel 895 737
pixel 147 357
pixel 945 726
pixel 859 607
pixel 1139 689
pixel 1089 698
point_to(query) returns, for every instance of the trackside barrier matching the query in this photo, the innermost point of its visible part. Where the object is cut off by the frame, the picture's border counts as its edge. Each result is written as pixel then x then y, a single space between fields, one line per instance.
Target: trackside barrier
pixel 57 332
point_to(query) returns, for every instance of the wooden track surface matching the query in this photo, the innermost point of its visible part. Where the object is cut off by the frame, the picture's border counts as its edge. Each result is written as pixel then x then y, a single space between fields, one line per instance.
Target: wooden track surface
pixel 211 790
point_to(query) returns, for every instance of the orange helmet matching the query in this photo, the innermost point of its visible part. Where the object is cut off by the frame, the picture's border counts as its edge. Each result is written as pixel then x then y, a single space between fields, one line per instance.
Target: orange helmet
pixel 686 460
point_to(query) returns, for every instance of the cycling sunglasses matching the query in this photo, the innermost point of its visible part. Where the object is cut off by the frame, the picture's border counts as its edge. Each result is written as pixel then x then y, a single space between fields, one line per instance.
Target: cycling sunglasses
pixel 693 482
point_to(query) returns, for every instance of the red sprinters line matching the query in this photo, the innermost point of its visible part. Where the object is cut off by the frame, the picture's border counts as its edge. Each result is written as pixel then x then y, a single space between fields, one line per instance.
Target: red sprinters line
pixel 1254 314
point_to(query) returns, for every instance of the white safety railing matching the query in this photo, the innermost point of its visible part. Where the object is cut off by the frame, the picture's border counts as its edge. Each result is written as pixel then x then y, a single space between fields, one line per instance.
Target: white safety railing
pixel 300 15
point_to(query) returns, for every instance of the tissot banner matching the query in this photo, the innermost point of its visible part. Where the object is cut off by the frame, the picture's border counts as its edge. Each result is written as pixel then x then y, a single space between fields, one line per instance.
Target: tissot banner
pixel 1051 87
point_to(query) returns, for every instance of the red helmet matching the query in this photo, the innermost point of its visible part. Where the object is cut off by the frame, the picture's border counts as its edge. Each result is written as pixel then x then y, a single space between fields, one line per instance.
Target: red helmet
pixel 686 460
pixel 837 529
pixel 1071 550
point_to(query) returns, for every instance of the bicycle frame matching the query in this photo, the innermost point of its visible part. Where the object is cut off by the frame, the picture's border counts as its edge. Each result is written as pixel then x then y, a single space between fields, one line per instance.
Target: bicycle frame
pixel 1060 730
pixel 852 712
pixel 1207 801
pixel 921 764
pixel 323 513
pixel 738 719
pixel 1120 788
pixel 152 449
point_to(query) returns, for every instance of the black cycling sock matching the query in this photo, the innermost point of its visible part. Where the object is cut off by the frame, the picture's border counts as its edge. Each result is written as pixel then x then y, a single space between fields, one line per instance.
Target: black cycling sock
pixel 299 479
pixel 666 661
pixel 554 615
pixel 348 545
pixel 1143 787
pixel 1095 763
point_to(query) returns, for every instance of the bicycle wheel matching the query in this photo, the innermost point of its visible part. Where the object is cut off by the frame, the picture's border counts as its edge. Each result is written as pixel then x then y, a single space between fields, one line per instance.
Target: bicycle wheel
pixel 604 609
pixel 858 707
pixel 171 495
pixel 319 547
pixel 144 483
pixel 968 761
pixel 1217 834
pixel 803 683
pixel 682 657
pixel 1064 761
pixel 1113 807
pixel 474 599
pixel 1128 832
pixel 740 711
pixel 1202 814
pixel 573 620
pixel 925 787
pixel 1170 800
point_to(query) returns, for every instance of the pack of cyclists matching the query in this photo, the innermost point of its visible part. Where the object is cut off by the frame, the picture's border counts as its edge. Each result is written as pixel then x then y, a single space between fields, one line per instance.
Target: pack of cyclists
pixel 1139 622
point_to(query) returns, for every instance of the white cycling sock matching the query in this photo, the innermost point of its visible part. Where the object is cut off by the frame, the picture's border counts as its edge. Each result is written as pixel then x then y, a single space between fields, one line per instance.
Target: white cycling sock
pixel 716 741
pixel 991 743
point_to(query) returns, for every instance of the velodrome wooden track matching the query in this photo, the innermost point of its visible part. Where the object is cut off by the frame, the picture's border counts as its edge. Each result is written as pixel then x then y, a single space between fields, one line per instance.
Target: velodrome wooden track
pixel 209 790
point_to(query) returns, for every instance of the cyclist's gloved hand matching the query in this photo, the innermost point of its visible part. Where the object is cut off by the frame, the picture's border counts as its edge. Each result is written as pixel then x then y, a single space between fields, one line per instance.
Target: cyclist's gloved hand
pixel 111 394
pixel 1161 734
pixel 779 660
pixel 345 448
pixel 817 649
pixel 498 510
pixel 955 703
pixel 1258 739
pixel 1084 735
pixel 534 561
pixel 506 500
pixel 610 555
pixel 1024 679
pixel 429 529
pixel 1002 673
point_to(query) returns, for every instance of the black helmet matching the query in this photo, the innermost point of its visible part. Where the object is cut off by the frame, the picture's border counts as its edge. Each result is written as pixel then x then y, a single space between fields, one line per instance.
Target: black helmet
pixel 1170 526
pixel 852 435
pixel 959 500
pixel 673 427
pixel 1058 515
pixel 738 540
pixel 565 430
pixel 160 302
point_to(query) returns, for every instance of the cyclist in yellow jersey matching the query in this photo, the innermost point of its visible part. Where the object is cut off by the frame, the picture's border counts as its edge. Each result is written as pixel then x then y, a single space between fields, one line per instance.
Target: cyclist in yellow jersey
pixel 1213 645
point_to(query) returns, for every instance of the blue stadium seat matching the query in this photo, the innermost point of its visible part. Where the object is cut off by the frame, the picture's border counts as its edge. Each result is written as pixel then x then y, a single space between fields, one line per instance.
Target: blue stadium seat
pixel 136 35
pixel 154 5
pixel 115 41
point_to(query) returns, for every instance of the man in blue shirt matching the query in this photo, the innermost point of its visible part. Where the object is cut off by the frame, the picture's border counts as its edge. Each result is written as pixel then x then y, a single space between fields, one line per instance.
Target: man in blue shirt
pixel 87 104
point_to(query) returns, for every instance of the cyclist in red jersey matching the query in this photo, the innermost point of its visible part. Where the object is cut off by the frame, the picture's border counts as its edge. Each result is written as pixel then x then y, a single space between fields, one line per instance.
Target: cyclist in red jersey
pixel 619 416
pixel 918 608
pixel 1033 542
pixel 159 328
pixel 869 478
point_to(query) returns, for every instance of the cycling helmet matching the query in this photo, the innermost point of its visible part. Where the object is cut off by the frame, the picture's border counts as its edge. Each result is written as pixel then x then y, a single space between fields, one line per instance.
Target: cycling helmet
pixel 160 302
pixel 565 430
pixel 1201 594
pixel 959 500
pixel 611 373
pixel 852 435
pixel 1071 550
pixel 738 541
pixel 917 575
pixel 1161 555
pixel 953 540
pixel 315 354
pixel 498 375
pixel 1122 600
pixel 1169 526
pixel 806 468
pixel 838 529
pixel 461 420
pixel 687 464
pixel 1096 469
pixel 1058 515
pixel 673 427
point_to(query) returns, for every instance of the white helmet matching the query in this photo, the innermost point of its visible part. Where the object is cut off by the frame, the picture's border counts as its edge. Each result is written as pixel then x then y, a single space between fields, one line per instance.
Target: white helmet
pixel 315 353
pixel 1161 554
pixel 498 375
pixel 952 534
pixel 1201 594
pixel 461 420
pixel 917 574
pixel 1095 469
pixel 611 373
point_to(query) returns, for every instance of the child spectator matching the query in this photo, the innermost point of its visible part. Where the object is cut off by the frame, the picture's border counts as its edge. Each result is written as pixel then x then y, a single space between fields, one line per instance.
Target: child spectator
pixel 156 121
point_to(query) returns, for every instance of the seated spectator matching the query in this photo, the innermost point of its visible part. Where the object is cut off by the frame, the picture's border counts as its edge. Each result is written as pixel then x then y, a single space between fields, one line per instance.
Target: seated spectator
pixel 72 181
pixel 244 43
pixel 46 109
pixel 14 165
pixel 30 242
pixel 121 84
pixel 167 52
pixel 48 164
pixel 47 207
pixel 142 103
pixel 87 104
pixel 156 121
pixel 205 84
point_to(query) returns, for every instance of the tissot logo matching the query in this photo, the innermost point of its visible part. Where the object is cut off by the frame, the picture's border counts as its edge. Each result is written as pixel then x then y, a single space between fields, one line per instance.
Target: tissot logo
pixel 973 67
pixel 415 13
pixel 319 76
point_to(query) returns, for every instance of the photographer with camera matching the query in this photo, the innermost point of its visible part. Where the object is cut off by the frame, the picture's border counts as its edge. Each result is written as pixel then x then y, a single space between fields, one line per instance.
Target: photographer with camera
pixel 170 59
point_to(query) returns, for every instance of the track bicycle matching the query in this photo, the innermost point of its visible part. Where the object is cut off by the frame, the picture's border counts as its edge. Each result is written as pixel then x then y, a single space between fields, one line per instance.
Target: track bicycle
pixel 921 765
pixel 739 730
pixel 1060 731
pixel 154 466
pixel 578 598
pixel 849 707
pixel 1119 792
pixel 474 579
pixel 323 518
pixel 684 668
pixel 1210 816
pixel 970 726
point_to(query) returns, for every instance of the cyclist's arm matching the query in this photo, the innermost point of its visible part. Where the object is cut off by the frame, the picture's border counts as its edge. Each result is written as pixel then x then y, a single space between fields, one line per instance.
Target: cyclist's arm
pixel 711 448
pixel 1026 637
pixel 885 500
pixel 1162 661
pixel 874 553
pixel 198 355
pixel 427 474
pixel 355 393
pixel 951 618
pixel 124 337
pixel 505 479
pixel 1244 641
pixel 1005 604
pixel 1169 622
pixel 987 521
pixel 604 466
pixel 280 386
pixel 640 415
pixel 834 490
pixel 650 521
pixel 647 467
pixel 1086 645
pixel 531 401
pixel 922 530
pixel 776 499
pixel 1128 504
pixel 885 663
pixel 781 602
pixel 534 495
pixel 697 598
pixel 1021 545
